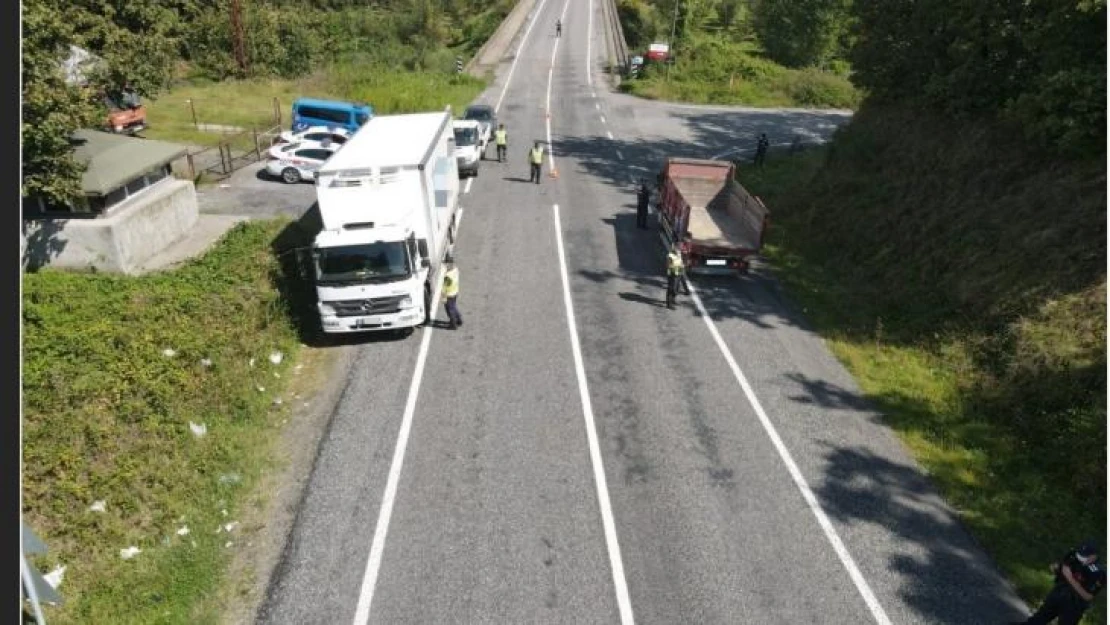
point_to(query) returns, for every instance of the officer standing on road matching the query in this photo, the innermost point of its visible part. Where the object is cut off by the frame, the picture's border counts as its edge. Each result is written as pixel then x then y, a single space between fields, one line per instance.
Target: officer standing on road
pixel 1079 577
pixel 761 149
pixel 501 138
pixel 684 252
pixel 558 28
pixel 674 274
pixel 451 293
pixel 535 161
pixel 643 196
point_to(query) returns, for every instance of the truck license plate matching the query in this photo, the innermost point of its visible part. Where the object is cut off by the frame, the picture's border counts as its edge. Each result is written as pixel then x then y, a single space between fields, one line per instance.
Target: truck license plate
pixel 716 262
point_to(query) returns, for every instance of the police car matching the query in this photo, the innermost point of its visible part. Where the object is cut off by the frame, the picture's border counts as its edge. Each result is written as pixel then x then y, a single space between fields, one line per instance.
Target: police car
pixel 297 161
pixel 315 133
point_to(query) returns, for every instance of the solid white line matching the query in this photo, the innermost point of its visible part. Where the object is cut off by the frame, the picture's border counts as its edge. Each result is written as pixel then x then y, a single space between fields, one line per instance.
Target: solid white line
pixel 469 181
pixel 377 546
pixel 516 56
pixel 603 120
pixel 589 40
pixel 624 603
pixel 609 133
pixel 795 474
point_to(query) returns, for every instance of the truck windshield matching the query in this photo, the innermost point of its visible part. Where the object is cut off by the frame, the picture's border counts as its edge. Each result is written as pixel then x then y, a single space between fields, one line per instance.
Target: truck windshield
pixel 373 262
pixel 466 137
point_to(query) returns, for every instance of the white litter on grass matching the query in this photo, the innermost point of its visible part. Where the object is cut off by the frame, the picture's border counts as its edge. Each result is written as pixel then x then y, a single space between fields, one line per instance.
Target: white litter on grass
pixel 225 186
pixel 129 553
pixel 261 389
pixel 98 506
pixel 54 578
pixel 223 512
pixel 206 362
pixel 199 430
pixel 277 401
pixel 227 527
pixel 228 544
pixel 277 375
pixel 276 357
pixel 193 543
pixel 250 362
pixel 182 531
pixel 230 478
pixel 298 367
pixel 169 353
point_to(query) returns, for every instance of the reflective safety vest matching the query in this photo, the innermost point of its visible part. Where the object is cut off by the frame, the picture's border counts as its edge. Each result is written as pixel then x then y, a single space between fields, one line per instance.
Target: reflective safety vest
pixel 501 136
pixel 451 282
pixel 536 156
pixel 674 263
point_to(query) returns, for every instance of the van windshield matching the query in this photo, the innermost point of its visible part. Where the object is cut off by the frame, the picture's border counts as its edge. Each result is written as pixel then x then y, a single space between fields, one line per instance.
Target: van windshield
pixel 466 137
pixel 359 264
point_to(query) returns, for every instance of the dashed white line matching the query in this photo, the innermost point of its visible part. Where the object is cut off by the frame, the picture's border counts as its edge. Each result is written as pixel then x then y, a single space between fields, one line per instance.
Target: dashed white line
pixel 374 561
pixel 610 134
pixel 469 181
pixel 603 120
pixel 597 105
pixel 624 603
pixel 795 474
pixel 516 57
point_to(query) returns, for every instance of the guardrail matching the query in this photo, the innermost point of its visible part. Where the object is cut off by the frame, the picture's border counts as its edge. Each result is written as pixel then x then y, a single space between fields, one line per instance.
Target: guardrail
pixel 620 46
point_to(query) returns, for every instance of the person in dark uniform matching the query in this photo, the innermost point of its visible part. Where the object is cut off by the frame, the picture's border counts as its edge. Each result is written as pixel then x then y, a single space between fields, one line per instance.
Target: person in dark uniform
pixel 674 274
pixel 761 149
pixel 1079 577
pixel 643 196
pixel 684 251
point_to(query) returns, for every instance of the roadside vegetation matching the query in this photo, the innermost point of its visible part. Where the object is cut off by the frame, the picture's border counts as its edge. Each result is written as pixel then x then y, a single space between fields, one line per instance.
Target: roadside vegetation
pixel 159 396
pixel 950 245
pixel 769 53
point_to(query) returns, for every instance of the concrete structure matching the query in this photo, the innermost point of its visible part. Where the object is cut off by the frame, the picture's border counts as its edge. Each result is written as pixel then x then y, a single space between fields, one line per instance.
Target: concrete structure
pixel 133 208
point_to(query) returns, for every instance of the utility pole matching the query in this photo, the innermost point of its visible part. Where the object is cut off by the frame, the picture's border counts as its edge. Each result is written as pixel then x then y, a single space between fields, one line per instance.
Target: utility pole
pixel 237 44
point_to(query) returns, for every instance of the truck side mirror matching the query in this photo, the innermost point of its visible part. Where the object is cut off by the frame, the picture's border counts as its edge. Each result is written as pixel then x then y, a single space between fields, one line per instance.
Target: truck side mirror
pixel 425 263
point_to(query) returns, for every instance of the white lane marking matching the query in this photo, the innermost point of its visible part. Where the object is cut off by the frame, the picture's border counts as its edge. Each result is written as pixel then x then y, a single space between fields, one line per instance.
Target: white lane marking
pixel 377 546
pixel 624 603
pixel 374 561
pixel 795 474
pixel 593 94
pixel 547 100
pixel 469 181
pixel 619 155
pixel 597 105
pixel 589 40
pixel 516 56
pixel 610 134
pixel 603 120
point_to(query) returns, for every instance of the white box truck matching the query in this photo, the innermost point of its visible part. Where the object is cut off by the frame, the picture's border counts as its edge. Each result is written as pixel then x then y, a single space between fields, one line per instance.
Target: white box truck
pixel 388 201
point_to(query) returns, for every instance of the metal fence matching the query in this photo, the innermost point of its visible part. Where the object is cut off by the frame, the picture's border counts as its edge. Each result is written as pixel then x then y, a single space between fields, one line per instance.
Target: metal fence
pixel 233 152
pixel 616 31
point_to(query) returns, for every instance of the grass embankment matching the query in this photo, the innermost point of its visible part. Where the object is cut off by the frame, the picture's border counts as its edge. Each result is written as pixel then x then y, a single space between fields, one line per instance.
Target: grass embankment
pixel 714 71
pixel 251 103
pixel 960 275
pixel 107 417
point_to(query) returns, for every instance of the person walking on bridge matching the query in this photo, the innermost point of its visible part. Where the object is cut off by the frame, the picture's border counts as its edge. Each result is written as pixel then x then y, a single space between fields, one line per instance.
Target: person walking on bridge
pixel 761 150
pixel 451 293
pixel 643 196
pixel 501 138
pixel 558 28
pixel 535 161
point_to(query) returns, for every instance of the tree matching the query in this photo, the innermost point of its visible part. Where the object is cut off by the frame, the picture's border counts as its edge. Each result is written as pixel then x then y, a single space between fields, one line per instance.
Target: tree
pixel 52 109
pixel 800 33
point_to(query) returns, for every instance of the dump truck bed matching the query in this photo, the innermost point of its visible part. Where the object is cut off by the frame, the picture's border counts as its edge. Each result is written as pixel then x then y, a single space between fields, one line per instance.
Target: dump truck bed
pixel 718 212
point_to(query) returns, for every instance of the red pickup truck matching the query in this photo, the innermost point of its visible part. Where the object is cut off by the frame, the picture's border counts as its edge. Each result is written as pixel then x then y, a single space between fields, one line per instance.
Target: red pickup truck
pixel 702 206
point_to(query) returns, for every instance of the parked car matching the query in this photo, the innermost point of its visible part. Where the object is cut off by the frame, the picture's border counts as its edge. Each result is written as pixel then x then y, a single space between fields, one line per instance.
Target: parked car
pixel 487 121
pixel 321 134
pixel 468 146
pixel 294 162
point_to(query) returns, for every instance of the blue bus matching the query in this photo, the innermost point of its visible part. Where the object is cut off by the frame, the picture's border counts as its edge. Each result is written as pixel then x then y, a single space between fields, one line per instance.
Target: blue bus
pixel 309 112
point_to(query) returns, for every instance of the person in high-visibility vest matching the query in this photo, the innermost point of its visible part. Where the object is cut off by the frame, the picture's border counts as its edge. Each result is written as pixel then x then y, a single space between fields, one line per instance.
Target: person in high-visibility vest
pixel 535 160
pixel 675 268
pixel 501 138
pixel 451 293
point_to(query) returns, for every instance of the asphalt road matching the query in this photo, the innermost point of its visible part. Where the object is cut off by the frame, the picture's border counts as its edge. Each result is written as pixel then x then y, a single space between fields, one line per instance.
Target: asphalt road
pixel 617 461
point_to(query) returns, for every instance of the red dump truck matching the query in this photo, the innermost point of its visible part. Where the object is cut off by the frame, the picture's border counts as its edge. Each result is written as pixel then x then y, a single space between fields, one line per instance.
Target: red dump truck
pixel 723 224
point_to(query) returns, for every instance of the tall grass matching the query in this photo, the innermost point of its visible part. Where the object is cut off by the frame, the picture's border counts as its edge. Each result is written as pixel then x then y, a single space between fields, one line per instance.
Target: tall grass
pixel 961 277
pixel 107 415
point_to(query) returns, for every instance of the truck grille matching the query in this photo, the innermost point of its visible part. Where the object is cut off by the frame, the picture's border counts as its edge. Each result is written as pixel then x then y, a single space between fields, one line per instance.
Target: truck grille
pixel 373 306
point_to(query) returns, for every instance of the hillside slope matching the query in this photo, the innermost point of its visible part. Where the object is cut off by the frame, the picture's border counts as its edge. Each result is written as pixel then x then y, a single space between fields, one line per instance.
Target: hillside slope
pixel 961 275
